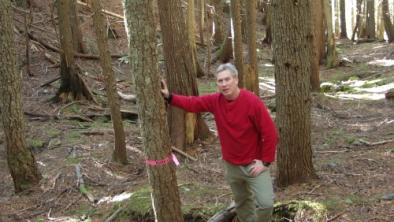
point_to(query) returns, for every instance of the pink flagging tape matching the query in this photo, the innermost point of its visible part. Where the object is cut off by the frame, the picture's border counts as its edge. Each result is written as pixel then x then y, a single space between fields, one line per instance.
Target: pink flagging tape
pixel 170 158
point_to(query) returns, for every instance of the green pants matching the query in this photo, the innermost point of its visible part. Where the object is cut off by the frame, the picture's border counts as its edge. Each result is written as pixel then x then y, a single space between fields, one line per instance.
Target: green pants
pixel 253 196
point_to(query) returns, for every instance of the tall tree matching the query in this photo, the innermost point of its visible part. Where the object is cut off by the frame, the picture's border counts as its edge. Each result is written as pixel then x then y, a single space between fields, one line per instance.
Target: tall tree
pixel 251 76
pixel 181 76
pixel 237 39
pixel 357 27
pixel 336 17
pixel 380 23
pixel 331 59
pixel 119 154
pixel 220 27
pixel 267 21
pixel 370 29
pixel 21 163
pixel 317 42
pixel 141 30
pixel 75 28
pixel 71 84
pixel 388 26
pixel 343 19
pixel 291 29
pixel 190 24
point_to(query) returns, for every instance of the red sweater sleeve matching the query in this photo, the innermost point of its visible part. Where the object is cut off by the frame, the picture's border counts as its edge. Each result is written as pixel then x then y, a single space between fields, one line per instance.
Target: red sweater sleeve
pixel 194 104
pixel 268 132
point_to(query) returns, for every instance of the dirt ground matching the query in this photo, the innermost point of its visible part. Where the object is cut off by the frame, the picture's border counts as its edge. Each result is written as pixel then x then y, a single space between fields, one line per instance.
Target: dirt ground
pixel 352 124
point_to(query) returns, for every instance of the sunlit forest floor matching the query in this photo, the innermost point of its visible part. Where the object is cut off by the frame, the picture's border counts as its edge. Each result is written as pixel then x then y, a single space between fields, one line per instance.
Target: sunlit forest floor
pixel 352 124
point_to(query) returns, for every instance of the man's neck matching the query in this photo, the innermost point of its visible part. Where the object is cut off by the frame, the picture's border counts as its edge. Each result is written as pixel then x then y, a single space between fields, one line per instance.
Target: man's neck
pixel 233 96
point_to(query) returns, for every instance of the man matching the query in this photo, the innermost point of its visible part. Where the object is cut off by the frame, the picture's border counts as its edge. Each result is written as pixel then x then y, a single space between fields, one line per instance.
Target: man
pixel 248 138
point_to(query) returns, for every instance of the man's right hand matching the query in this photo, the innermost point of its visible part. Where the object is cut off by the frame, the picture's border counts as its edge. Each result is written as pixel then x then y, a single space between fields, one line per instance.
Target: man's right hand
pixel 164 89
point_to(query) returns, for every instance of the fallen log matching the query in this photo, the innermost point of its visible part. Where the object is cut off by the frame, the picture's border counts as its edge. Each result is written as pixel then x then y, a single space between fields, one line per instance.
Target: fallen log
pixel 226 215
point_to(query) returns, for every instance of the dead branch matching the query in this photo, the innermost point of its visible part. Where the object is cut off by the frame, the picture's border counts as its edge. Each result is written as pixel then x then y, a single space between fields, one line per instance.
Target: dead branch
pixel 375 143
pixel 104 11
pixel 50 58
pixel 134 149
pixel 50 81
pixel 183 153
pixel 55 49
pixel 336 216
pixel 114 215
pixel 131 97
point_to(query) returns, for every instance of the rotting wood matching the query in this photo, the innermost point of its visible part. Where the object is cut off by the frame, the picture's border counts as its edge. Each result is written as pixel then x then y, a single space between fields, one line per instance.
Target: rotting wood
pixel 130 97
pixel 225 215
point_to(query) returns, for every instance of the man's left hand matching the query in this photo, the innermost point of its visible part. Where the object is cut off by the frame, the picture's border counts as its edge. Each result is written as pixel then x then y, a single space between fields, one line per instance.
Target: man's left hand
pixel 257 168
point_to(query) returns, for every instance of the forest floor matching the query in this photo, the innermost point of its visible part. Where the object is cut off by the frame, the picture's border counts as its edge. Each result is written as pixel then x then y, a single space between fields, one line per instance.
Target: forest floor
pixel 352 124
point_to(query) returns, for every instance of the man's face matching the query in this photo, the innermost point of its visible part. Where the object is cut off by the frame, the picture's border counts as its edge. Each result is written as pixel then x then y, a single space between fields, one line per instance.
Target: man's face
pixel 227 84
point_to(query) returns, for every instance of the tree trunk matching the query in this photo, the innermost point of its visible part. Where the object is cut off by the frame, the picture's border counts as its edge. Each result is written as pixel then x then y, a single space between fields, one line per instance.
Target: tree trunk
pixel 244 21
pixel 226 50
pixel 71 86
pixel 370 29
pixel 191 37
pixel 75 28
pixel 119 154
pixel 357 27
pixel 220 27
pixel 268 22
pixel 20 159
pixel 141 30
pixel 201 20
pixel 181 75
pixel 343 19
pixel 331 60
pixel 251 76
pixel 292 34
pixel 237 39
pixel 337 18
pixel 388 26
pixel 317 43
pixel 380 21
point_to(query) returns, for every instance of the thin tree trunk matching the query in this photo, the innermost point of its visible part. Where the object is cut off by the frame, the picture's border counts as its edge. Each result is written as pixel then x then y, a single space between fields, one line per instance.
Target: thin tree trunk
pixel 72 86
pixel 141 30
pixel 75 28
pixel 226 49
pixel 237 39
pixel 119 154
pixel 380 25
pixel 343 19
pixel 268 22
pixel 291 29
pixel 370 29
pixel 20 159
pixel 357 27
pixel 331 60
pixel 191 37
pixel 220 28
pixel 388 26
pixel 201 21
pixel 337 17
pixel 251 76
pixel 317 43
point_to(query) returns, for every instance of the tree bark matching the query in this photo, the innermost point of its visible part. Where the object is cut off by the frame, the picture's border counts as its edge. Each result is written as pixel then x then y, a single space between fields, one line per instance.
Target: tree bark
pixel 20 159
pixel 370 29
pixel 201 20
pixel 181 74
pixel 237 39
pixel 343 19
pixel 191 37
pixel 331 60
pixel 317 43
pixel 72 86
pixel 388 26
pixel 337 17
pixel 268 22
pixel 251 76
pixel 357 27
pixel 75 28
pixel 119 154
pixel 292 34
pixel 141 30
pixel 380 25
pixel 220 27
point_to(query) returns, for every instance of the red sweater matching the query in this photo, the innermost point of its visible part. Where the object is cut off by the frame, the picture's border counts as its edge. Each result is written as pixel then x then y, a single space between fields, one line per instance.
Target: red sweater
pixel 245 128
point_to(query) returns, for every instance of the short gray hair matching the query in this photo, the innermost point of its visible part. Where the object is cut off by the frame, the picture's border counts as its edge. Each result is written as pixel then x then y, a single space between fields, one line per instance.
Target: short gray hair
pixel 229 67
